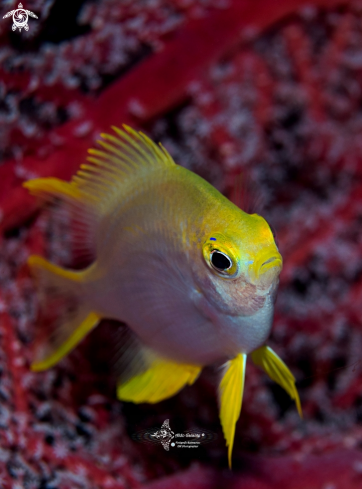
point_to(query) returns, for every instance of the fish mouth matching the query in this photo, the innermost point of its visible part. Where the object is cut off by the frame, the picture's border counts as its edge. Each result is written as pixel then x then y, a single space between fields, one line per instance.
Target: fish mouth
pixel 266 268
pixel 270 262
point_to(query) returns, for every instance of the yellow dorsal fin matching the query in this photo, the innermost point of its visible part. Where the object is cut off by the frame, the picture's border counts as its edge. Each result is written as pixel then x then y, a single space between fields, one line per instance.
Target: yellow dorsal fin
pixel 101 183
pixel 231 391
pixel 161 380
pixel 126 154
pixel 274 366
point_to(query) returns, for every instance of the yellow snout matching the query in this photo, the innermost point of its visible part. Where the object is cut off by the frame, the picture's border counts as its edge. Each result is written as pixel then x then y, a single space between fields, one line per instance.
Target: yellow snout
pixel 266 267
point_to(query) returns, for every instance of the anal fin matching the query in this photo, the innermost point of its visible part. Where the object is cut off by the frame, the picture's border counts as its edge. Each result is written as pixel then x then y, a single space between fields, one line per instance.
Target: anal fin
pixel 161 380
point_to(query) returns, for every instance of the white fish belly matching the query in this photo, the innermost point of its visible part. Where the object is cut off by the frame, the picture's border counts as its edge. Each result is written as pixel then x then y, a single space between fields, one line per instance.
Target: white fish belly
pixel 166 320
pixel 167 323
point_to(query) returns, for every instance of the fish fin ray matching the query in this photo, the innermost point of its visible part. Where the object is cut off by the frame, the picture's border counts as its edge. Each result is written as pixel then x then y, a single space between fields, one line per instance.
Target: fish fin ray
pixel 231 391
pixel 265 358
pixel 245 195
pixel 124 155
pixel 99 183
pixel 159 379
pixel 74 206
pixel 66 320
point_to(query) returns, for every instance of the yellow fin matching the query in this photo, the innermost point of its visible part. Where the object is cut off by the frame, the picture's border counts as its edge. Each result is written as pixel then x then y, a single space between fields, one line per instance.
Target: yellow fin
pixel 101 183
pixel 76 337
pixel 38 262
pixel 161 380
pixel 231 391
pixel 60 290
pixel 274 366
pixel 44 187
pixel 124 155
pixel 82 207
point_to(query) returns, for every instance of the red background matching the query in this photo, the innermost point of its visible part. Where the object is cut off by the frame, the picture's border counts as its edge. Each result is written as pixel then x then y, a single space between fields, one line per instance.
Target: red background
pixel 269 88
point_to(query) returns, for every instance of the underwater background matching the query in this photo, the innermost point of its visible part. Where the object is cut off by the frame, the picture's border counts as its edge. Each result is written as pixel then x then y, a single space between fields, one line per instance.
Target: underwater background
pixel 271 89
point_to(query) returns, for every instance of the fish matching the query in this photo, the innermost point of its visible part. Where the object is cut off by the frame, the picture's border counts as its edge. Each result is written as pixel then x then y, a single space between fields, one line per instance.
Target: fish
pixel 193 276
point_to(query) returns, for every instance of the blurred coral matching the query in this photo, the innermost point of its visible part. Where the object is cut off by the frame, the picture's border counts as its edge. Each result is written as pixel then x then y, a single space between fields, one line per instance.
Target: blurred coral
pixel 268 88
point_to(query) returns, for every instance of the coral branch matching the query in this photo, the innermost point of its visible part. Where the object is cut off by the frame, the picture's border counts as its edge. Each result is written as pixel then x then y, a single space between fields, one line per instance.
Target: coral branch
pixel 157 84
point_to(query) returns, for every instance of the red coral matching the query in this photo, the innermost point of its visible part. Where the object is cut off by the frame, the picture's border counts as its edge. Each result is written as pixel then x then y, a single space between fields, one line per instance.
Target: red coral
pixel 271 88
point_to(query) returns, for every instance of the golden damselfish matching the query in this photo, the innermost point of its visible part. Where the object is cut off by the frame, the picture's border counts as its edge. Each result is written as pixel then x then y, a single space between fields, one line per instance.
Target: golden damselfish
pixel 193 276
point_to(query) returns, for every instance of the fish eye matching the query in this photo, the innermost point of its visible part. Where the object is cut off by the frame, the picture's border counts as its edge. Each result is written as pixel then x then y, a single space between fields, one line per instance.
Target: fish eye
pixel 222 256
pixel 220 261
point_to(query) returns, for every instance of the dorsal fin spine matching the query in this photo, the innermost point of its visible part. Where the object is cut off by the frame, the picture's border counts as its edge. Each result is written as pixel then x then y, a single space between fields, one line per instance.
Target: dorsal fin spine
pixel 111 172
pixel 79 183
pixel 130 140
pixel 162 155
pixel 103 163
pixel 94 176
pixel 128 152
pixel 120 155
pixel 165 153
pixel 96 170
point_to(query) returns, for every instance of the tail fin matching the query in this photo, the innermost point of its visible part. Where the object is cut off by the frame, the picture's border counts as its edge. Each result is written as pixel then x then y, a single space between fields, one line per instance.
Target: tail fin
pixel 65 318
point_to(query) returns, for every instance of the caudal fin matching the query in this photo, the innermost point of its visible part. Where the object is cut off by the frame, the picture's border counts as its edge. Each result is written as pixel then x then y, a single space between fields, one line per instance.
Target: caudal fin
pixel 65 318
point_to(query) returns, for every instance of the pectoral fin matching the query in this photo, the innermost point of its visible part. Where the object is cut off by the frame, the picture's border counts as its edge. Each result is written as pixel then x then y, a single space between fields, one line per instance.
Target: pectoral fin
pixel 274 366
pixel 231 395
pixel 161 380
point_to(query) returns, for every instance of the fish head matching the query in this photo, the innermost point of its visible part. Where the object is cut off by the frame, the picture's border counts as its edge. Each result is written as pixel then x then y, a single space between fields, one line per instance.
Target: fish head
pixel 241 264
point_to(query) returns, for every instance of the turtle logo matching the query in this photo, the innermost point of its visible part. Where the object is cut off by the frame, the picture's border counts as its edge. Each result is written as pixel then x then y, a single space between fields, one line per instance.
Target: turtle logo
pixel 20 18
pixel 164 435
